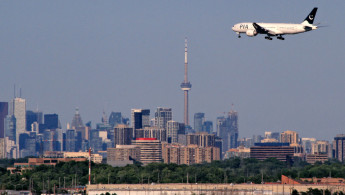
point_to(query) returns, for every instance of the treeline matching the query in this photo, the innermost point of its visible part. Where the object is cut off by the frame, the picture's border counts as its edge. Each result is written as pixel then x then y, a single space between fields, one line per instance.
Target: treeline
pixel 71 174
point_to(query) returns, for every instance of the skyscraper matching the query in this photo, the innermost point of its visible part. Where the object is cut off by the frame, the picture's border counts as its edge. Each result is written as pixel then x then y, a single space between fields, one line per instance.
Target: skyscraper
pixel 77 124
pixel 208 127
pixel 71 140
pixel 115 118
pixel 31 117
pixel 186 86
pixel 290 137
pixel 162 116
pixel 199 119
pixel 123 135
pixel 173 130
pixel 95 140
pixel 150 150
pixel 190 154
pixel 140 118
pixel 28 144
pixel 3 114
pixel 10 127
pixel 18 109
pixel 51 121
pixel 227 129
pixel 202 139
pixel 52 140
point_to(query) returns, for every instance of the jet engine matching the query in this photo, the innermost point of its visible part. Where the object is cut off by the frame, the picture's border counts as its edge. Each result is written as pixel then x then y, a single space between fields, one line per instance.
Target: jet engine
pixel 251 33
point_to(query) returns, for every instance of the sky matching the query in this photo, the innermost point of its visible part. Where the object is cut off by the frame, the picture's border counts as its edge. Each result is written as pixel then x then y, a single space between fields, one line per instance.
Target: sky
pixel 118 55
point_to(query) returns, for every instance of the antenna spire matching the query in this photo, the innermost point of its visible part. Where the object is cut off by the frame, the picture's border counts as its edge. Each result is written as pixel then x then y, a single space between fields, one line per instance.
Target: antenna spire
pixel 185 60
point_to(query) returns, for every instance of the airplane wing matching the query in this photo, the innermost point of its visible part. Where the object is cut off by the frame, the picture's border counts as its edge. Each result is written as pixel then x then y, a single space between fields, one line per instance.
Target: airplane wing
pixel 262 30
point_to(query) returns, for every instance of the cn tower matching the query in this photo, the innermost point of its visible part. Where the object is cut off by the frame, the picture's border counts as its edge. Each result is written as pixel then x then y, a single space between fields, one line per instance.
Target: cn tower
pixel 186 86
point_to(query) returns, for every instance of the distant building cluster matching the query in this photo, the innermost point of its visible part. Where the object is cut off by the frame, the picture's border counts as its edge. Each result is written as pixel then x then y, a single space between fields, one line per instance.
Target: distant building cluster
pixel 121 140
pixel 287 145
pixel 146 140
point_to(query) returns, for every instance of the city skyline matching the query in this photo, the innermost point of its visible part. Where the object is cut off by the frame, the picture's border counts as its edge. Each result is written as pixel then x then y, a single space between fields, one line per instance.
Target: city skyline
pixel 117 56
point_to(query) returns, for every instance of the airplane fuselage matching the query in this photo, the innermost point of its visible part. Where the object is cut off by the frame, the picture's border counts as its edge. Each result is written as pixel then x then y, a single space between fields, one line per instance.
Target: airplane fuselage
pixel 275 28
pixel 252 29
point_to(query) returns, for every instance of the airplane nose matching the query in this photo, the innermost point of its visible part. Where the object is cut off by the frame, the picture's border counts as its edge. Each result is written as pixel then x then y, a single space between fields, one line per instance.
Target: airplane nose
pixel 233 28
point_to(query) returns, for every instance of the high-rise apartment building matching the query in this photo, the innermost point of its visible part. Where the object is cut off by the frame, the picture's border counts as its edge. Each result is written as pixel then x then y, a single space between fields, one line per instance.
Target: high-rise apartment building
pixel 339 147
pixel 190 154
pixel 162 116
pixel 3 148
pixel 18 109
pixel 322 147
pixel 173 130
pixel 227 129
pixel 3 114
pixel 201 139
pixel 199 119
pixel 152 132
pixel 123 135
pixel 150 150
pixel 290 137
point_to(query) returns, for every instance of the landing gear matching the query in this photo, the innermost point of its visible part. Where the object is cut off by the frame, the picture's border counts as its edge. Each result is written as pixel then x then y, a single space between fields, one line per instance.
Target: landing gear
pixel 280 37
pixel 268 38
pixel 239 34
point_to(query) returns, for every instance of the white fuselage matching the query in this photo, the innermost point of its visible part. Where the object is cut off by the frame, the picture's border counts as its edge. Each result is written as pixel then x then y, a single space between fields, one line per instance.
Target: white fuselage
pixel 274 28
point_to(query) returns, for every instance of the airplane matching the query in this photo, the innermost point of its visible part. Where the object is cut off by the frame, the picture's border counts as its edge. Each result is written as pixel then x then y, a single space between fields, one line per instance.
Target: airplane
pixel 276 29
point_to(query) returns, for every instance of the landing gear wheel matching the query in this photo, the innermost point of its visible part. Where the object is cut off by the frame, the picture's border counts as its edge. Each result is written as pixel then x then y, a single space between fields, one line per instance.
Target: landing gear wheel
pixel 239 34
pixel 268 38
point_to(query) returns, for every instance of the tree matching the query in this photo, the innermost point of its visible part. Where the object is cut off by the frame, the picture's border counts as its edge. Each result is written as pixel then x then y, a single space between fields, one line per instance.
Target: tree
pixel 294 192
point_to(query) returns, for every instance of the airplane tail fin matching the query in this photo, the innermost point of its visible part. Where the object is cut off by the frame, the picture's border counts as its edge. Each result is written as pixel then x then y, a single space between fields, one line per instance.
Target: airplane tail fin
pixel 310 18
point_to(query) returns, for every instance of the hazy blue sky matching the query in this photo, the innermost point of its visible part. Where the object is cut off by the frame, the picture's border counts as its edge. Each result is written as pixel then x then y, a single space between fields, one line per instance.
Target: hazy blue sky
pixel 118 55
